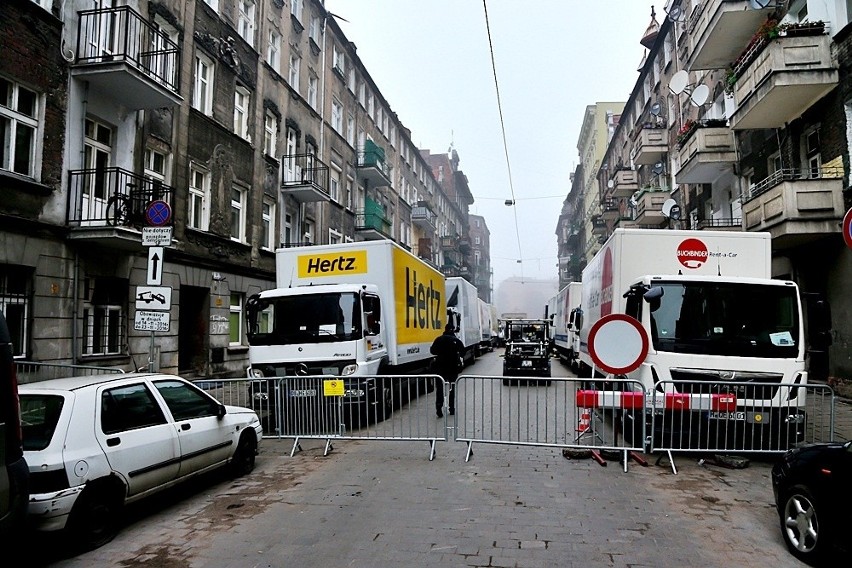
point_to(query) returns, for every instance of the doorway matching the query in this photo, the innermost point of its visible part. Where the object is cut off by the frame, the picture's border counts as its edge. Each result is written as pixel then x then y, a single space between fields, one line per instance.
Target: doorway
pixel 193 336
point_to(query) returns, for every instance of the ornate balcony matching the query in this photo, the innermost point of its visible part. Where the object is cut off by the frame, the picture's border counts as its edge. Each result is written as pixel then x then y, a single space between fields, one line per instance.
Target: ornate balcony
pixel 782 81
pixel 124 57
pixel 719 29
pixel 624 183
pixel 372 166
pixel 305 178
pixel 649 206
pixel 109 205
pixel 706 155
pixel 796 206
pixel 650 146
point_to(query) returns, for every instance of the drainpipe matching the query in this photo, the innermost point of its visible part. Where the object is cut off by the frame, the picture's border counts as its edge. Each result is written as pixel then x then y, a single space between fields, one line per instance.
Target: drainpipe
pixel 75 282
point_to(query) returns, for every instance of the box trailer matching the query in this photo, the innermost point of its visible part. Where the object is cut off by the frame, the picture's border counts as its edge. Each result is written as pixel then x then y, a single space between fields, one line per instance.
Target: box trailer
pixel 463 311
pixel 563 314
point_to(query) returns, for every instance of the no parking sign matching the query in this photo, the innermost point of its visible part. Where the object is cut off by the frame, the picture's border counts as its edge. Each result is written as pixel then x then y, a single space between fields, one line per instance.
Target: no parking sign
pixel 847 228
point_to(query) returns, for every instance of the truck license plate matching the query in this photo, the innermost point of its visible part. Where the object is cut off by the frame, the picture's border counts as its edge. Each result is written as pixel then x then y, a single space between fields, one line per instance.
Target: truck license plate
pixel 296 393
pixel 738 416
pixel 526 363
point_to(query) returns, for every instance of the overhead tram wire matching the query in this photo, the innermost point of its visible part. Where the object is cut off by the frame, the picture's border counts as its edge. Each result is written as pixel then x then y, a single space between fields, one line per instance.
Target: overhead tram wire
pixel 503 130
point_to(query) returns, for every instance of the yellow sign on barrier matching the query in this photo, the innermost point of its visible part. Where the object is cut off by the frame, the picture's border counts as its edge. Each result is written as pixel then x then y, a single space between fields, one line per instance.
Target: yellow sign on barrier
pixel 332 387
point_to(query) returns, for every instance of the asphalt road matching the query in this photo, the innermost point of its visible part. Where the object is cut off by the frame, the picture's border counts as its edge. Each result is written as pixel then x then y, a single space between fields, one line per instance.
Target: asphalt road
pixel 384 503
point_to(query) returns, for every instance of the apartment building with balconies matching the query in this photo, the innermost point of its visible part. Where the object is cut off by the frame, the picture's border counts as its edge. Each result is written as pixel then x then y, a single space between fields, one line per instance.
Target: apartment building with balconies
pixel 570 233
pixel 252 124
pixel 480 243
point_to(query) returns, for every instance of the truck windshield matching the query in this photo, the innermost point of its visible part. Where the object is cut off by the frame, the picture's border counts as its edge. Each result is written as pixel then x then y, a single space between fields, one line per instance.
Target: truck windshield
pixel 318 318
pixel 726 319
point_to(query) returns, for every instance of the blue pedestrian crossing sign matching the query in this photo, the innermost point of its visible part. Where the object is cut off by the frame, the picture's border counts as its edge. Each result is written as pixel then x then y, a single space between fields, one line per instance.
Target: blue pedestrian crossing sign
pixel 158 213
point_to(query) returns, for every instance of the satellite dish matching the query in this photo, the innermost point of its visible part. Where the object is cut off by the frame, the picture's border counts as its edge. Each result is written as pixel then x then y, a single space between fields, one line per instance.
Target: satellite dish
pixel 679 82
pixel 610 184
pixel 671 209
pixel 659 168
pixel 700 95
pixel 655 109
pixel 675 14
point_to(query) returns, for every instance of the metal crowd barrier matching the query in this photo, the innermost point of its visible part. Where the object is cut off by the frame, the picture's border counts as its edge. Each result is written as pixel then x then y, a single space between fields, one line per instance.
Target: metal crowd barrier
pixel 385 407
pixel 33 371
pixel 735 416
pixel 554 411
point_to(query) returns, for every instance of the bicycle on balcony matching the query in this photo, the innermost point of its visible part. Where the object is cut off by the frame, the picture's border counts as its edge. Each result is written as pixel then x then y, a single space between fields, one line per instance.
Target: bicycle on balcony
pixel 128 209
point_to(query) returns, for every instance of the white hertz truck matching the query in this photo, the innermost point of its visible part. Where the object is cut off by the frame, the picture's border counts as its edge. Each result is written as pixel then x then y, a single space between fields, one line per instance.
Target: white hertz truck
pixel 347 310
pixel 713 315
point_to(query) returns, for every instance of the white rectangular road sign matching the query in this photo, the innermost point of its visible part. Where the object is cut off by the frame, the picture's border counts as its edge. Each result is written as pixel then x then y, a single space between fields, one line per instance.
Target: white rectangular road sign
pixel 151 321
pixel 153 297
pixel 154 276
pixel 156 236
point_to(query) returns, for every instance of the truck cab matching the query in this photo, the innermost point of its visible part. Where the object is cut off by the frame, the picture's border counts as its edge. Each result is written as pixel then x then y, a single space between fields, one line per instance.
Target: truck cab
pixel 527 348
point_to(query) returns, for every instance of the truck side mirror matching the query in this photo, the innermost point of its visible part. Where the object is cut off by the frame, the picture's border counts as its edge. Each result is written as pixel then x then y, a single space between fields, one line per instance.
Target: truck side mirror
pixel 652 296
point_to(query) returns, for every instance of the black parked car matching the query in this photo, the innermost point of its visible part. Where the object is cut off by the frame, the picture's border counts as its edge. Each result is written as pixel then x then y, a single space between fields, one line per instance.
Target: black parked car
pixel 813 491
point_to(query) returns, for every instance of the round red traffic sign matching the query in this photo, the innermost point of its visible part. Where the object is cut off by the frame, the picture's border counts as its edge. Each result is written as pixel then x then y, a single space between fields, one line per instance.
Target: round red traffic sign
pixel 158 213
pixel 847 228
pixel 618 344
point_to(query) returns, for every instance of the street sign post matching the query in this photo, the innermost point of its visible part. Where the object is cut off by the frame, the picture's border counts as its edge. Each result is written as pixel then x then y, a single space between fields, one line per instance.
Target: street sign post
pixel 156 236
pixel 151 321
pixel 154 274
pixel 153 297
pixel 618 344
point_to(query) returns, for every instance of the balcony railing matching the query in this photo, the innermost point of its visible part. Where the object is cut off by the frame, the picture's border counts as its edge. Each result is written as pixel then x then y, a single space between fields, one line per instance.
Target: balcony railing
pixel 796 205
pixel 734 223
pixel 372 226
pixel 650 146
pixel 128 58
pixel 305 178
pixel 449 243
pixel 706 154
pixel 423 217
pixel 372 166
pixel 624 183
pixel 649 206
pixel 719 29
pixel 112 197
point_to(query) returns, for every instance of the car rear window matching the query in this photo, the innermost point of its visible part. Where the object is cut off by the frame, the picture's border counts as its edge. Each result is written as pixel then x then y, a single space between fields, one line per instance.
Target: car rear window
pixel 39 415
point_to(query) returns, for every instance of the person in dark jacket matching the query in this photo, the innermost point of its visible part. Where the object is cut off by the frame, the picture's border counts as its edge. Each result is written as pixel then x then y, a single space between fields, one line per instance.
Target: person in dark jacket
pixel 448 351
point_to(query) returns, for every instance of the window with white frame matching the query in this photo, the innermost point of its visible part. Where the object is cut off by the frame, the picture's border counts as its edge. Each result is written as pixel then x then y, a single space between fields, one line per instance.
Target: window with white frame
pixel 338 60
pixel 309 232
pixel 334 182
pixel 199 198
pixel 103 316
pixel 379 118
pixel 267 224
pixel 812 158
pixel 270 131
pixel 15 293
pixel 371 106
pixel 351 81
pixel 235 319
pixel 348 197
pixel 350 129
pixel 291 170
pixel 296 9
pixel 156 164
pixel 314 29
pixel 273 50
pixel 334 237
pixel 477 257
pixel 161 42
pixel 202 92
pixel 97 156
pixel 362 93
pixel 245 20
pixel 392 135
pixel 337 116
pixel 313 83
pixel 293 73
pixel 241 111
pixel 238 214
pixel 20 123
pixel 288 229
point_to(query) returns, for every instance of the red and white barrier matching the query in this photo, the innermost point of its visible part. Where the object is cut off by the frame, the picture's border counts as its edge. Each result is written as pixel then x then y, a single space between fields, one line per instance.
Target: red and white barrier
pixel 610 399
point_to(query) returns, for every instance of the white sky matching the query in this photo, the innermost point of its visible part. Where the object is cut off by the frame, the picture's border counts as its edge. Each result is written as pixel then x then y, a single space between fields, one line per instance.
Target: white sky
pixel 431 61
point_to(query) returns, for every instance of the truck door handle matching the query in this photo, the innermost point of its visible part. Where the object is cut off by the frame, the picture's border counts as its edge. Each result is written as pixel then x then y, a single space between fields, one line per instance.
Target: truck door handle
pixel 112 442
pixel 185 426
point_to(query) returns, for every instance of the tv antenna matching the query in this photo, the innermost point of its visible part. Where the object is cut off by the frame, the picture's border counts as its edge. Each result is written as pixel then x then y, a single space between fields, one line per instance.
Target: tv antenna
pixel 656 111
pixel 679 83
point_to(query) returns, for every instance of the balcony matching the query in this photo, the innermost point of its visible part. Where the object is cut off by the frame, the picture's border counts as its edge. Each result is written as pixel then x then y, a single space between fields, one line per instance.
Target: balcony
pixel 372 166
pixel 464 245
pixel 649 206
pixel 449 243
pixel 126 58
pixel 718 31
pixel 650 146
pixel 624 183
pixel 796 206
pixel 372 226
pixel 783 80
pixel 423 217
pixel 598 225
pixel 305 178
pixel 109 205
pixel 706 155
pixel 611 210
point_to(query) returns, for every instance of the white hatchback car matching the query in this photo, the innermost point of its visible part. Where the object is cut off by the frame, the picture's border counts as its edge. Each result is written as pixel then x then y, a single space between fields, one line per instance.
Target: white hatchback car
pixel 94 444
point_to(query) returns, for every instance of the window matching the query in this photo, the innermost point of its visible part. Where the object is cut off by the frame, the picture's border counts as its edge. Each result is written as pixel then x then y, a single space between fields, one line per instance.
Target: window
pixel 241 111
pixel 351 82
pixel 337 116
pixel 185 401
pixel 46 4
pixel 213 4
pixel 163 42
pixel 291 171
pixel 15 291
pixel 288 229
pixel 235 327
pixel 334 237
pixel 19 124
pixel 293 73
pixel 267 224
pixel 270 132
pixel 334 182
pixel 314 29
pixel 371 107
pixel 350 129
pixel 245 20
pixel 103 316
pixel 477 240
pixel 338 60
pixel 362 93
pixel 202 93
pixel 199 199
pixel 97 146
pixel 296 8
pixel 379 119
pixel 312 90
pixel 238 214
pixel 128 408
pixel 348 197
pixel 309 232
pixel 273 51
pixel 155 165
pixel 813 161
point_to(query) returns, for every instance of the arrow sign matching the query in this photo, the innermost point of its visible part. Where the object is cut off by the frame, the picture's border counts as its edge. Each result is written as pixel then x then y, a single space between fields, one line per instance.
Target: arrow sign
pixel 155 266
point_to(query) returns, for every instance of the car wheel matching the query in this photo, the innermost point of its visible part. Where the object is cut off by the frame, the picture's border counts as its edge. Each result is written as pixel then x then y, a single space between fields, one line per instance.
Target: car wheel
pixel 244 456
pixel 94 519
pixel 800 525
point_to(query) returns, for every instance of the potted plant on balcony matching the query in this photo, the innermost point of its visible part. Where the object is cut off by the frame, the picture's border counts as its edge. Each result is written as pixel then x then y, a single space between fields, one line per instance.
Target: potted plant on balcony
pixel 768 31
pixel 686 131
pixel 802 29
